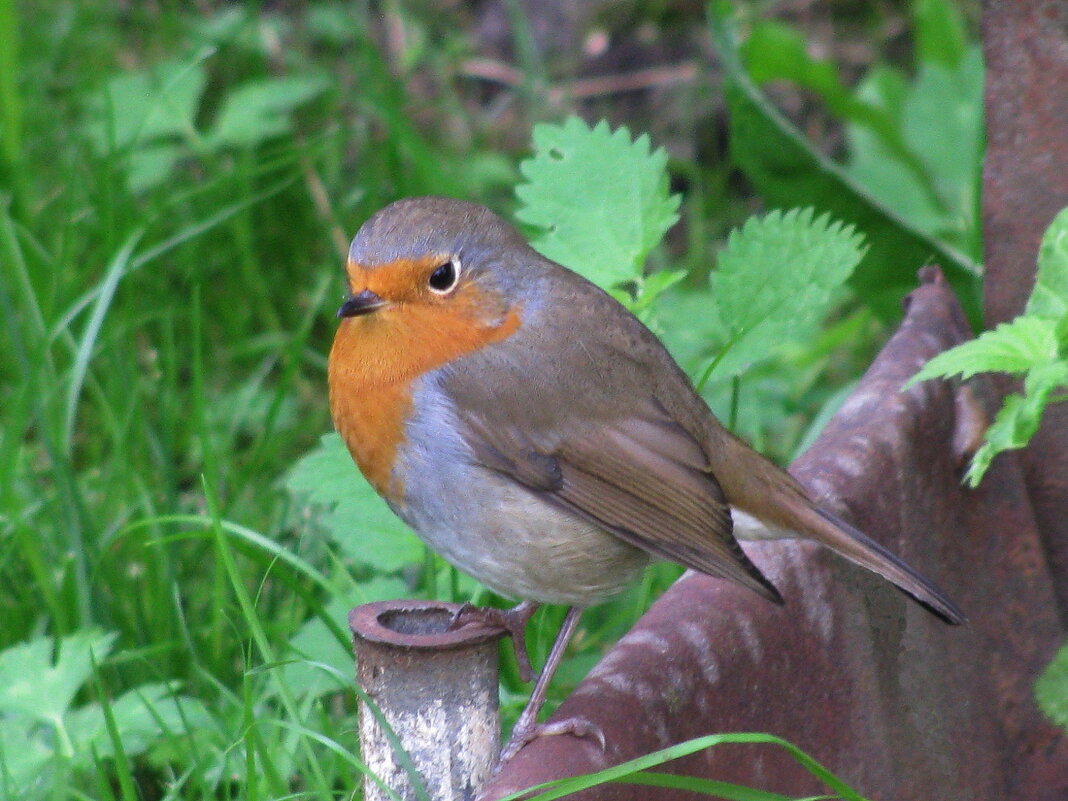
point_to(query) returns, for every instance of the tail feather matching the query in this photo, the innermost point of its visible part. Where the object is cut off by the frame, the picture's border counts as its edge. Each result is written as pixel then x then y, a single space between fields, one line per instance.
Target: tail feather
pixel 858 547
pixel 773 497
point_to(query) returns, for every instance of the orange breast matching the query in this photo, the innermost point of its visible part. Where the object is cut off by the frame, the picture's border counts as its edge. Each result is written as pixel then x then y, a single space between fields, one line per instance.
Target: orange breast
pixel 376 358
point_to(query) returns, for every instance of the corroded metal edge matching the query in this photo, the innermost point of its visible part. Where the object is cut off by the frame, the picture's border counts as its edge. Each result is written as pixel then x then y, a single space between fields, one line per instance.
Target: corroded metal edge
pixel 371 622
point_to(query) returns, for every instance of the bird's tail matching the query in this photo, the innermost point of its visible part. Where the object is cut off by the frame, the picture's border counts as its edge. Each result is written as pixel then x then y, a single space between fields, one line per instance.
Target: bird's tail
pixel 827 529
pixel 772 496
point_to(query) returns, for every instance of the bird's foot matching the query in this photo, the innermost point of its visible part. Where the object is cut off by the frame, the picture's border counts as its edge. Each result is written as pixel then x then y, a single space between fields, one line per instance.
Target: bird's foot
pixel 513 620
pixel 576 727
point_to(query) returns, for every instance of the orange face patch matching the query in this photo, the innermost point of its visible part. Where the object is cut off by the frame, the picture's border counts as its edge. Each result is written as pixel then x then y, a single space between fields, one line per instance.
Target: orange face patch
pixel 404 280
pixel 376 357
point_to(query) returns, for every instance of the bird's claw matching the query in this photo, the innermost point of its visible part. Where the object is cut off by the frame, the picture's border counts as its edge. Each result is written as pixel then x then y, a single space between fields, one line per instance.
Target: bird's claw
pixel 576 727
pixel 513 620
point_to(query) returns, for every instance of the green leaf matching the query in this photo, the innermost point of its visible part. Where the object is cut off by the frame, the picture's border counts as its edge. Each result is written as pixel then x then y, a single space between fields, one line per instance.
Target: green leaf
pixel 24 756
pixel 149 166
pixel 322 664
pixel 39 677
pixel 1051 689
pixel 1031 344
pixel 142 715
pixel 38 681
pixel 1019 417
pixel 776 279
pixel 785 168
pixel 776 51
pixel 692 330
pixel 145 107
pixel 942 122
pixel 939 32
pixel 901 184
pixel 260 110
pixel 1049 298
pixel 649 289
pixel 600 200
pixel 357 520
pixel 625 771
pixel 1013 347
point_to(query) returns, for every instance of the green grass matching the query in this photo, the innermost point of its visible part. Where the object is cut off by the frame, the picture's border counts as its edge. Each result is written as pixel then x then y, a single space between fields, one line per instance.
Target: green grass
pixel 163 364
pixel 166 305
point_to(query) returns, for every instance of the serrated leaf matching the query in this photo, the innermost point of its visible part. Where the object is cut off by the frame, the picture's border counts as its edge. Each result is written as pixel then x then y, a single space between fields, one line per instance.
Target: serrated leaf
pixel 259 110
pixel 39 677
pixel 1049 298
pixel 600 199
pixel 1051 689
pixel 1019 417
pixel 775 280
pixel 784 166
pixel 1029 344
pixel 358 521
pixel 1012 347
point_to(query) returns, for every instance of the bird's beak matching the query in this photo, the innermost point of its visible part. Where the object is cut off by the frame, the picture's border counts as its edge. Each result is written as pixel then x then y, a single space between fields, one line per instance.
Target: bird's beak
pixel 363 302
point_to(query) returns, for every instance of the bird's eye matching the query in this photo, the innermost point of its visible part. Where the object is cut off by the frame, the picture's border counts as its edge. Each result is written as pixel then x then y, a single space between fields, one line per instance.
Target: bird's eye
pixel 443 279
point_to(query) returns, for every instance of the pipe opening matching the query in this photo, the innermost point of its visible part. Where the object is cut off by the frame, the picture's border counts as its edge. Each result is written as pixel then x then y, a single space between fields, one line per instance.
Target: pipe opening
pixel 416 621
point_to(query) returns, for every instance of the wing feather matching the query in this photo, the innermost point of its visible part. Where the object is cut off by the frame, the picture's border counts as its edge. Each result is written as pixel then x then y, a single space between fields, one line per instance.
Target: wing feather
pixel 641 477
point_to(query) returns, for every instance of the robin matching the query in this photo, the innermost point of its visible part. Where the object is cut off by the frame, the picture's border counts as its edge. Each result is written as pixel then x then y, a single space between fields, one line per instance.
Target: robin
pixel 539 437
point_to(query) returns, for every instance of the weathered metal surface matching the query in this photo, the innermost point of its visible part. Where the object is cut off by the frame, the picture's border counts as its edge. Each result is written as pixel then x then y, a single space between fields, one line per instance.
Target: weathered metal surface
pixel 1025 44
pixel 438 691
pixel 894 701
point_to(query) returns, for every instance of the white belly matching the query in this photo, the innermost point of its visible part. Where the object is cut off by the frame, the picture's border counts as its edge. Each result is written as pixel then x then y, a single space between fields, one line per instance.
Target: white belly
pixel 524 547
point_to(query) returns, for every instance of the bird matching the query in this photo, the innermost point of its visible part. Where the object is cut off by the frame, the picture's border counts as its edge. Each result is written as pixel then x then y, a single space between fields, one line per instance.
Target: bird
pixel 539 437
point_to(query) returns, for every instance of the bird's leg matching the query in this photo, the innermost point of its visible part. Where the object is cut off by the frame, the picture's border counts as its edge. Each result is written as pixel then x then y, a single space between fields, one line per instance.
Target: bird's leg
pixel 526 727
pixel 514 620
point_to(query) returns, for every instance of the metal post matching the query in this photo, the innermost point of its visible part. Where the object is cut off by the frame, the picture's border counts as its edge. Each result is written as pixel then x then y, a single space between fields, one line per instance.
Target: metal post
pixel 437 689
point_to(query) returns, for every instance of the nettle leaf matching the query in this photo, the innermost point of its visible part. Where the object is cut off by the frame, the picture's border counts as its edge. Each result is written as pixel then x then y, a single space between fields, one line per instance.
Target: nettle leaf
pixel 39 677
pixel 599 198
pixel 1051 689
pixel 259 110
pixel 1013 347
pixel 1031 344
pixel 1049 298
pixel 356 519
pixel 1019 417
pixel 776 279
pixel 784 166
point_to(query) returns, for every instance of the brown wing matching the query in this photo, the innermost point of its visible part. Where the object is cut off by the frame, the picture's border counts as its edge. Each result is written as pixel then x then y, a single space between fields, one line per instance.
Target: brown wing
pixel 643 478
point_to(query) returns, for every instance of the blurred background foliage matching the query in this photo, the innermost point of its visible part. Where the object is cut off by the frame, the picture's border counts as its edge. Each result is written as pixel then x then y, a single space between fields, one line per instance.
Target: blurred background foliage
pixel 178 182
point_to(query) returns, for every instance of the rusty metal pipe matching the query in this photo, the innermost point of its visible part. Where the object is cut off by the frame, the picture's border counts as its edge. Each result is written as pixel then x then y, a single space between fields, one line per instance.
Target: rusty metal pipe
pixel 436 689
